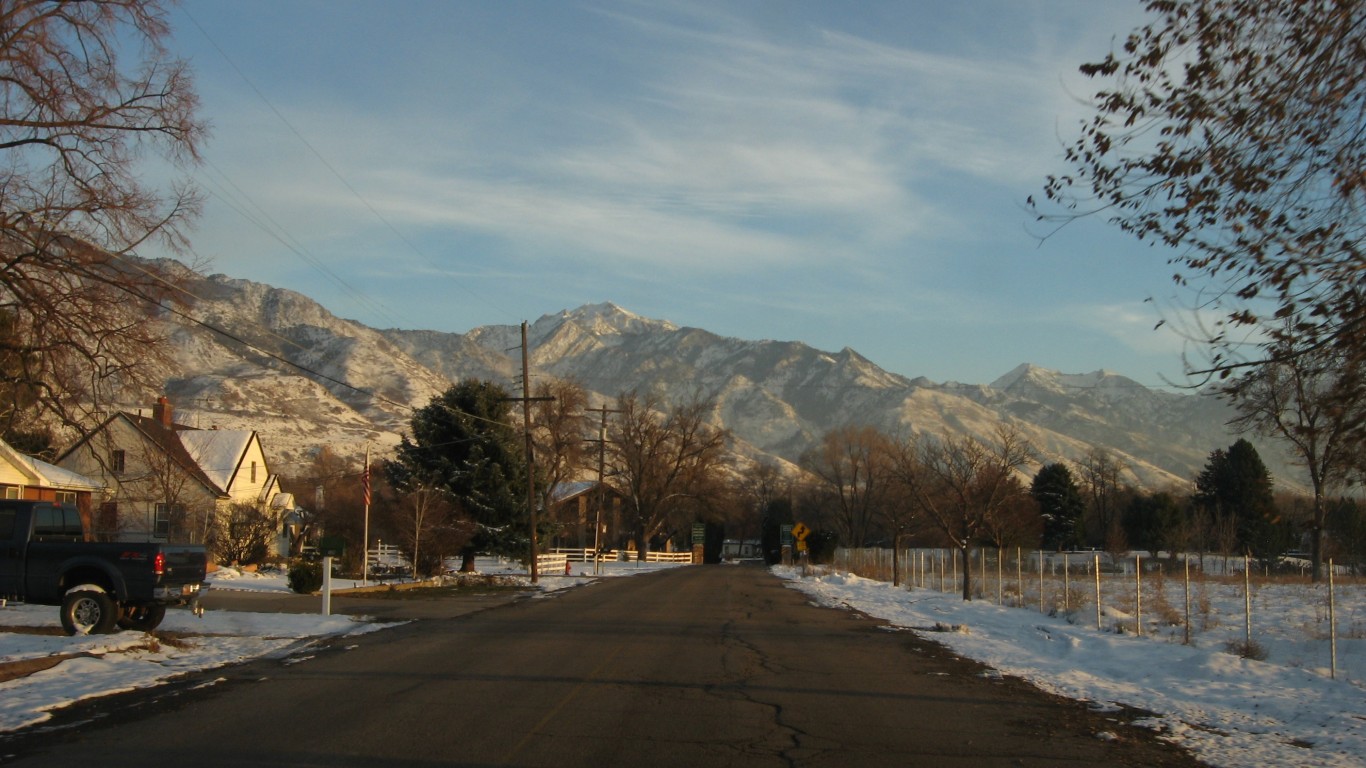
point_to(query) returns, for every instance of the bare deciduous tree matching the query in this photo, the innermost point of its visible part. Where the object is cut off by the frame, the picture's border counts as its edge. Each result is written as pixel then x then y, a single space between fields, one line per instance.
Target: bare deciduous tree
pixel 1308 401
pixel 663 458
pixel 558 429
pixel 428 526
pixel 850 466
pixel 1099 472
pixel 76 119
pixel 963 485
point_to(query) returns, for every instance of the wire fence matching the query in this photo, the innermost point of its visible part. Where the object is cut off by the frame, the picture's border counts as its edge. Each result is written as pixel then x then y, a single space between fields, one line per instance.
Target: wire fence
pixel 1132 592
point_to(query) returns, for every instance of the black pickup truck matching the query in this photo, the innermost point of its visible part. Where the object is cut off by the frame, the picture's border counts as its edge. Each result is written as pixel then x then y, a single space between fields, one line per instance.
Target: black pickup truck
pixel 45 560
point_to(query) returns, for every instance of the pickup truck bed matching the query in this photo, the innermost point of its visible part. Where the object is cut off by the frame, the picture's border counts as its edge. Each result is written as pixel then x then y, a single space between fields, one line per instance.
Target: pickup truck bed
pixel 44 559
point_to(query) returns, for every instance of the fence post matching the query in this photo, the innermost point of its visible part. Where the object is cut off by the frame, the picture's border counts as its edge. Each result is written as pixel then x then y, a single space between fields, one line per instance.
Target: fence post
pixel 1066 583
pixel 1000 579
pixel 1097 564
pixel 982 569
pixel 1019 576
pixel 1247 601
pixel 953 555
pixel 1187 560
pixel 1040 581
pixel 1138 587
pixel 1332 626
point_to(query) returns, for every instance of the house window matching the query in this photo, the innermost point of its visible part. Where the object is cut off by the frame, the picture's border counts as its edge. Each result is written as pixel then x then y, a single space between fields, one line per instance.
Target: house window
pixel 116 461
pixel 11 491
pixel 253 471
pixel 161 524
pixel 165 513
pixel 66 497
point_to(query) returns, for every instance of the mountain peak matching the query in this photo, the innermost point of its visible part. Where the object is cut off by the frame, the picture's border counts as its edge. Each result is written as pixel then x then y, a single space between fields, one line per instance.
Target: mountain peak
pixel 1033 376
pixel 606 319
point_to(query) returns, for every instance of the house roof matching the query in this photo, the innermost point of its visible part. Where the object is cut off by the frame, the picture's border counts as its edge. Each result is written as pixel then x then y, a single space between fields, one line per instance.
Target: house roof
pixel 44 474
pixel 170 441
pixel 217 451
pixel 561 492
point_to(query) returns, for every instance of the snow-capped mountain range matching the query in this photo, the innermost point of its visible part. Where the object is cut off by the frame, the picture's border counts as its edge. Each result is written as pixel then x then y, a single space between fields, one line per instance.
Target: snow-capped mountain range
pixel 777 397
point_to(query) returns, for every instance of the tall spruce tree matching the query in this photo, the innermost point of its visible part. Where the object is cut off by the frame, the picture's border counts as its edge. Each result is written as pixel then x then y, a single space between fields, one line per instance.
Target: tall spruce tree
pixel 1060 505
pixel 464 442
pixel 1235 489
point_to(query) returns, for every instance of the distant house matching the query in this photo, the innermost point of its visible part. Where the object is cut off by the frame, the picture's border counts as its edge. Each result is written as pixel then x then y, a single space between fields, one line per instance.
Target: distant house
pixel 24 477
pixel 168 482
pixel 574 510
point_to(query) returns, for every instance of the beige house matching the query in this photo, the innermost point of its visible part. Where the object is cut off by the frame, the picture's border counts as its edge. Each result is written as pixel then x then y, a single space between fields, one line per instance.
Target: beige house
pixel 169 482
pixel 24 477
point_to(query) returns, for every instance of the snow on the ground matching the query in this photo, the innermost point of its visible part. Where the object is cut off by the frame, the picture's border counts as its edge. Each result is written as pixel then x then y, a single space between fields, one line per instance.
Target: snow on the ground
pixel 1228 710
pixel 106 664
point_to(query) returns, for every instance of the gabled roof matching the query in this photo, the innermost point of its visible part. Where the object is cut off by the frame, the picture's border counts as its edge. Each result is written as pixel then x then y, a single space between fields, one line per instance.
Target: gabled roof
pixel 170 442
pixel 217 452
pixel 45 475
pixel 562 492
pixel 165 439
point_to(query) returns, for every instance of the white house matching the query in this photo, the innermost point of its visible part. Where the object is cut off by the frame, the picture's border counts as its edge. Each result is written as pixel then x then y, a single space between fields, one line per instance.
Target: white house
pixel 169 482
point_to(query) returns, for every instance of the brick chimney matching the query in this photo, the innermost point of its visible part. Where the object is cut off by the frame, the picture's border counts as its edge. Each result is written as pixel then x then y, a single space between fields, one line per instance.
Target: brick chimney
pixel 162 412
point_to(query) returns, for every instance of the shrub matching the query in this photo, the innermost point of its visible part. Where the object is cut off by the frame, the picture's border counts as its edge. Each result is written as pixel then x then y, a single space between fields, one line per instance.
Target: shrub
pixel 305 577
pixel 1248 649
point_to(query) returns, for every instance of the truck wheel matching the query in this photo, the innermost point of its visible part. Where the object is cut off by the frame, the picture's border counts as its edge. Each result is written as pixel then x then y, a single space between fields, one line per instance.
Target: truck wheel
pixel 88 612
pixel 142 618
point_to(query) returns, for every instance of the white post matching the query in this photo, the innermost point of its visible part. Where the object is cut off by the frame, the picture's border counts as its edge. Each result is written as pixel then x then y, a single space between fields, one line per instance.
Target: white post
pixel 1040 581
pixel 327 585
pixel 1332 625
pixel 1066 583
pixel 1097 566
pixel 1138 587
pixel 1187 560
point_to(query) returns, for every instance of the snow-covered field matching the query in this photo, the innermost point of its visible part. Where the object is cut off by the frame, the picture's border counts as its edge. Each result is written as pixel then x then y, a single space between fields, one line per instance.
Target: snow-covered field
pixel 1228 710
pixel 104 664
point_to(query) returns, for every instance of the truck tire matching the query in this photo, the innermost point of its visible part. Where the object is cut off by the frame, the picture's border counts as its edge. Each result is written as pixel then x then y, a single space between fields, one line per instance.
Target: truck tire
pixel 142 618
pixel 89 612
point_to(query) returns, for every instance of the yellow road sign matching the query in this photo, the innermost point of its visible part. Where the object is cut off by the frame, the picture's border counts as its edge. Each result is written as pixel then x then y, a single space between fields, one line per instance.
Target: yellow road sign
pixel 800 531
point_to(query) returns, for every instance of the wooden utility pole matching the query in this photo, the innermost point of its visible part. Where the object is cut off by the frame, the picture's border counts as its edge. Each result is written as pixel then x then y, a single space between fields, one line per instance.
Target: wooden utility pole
pixel 533 566
pixel 602 489
pixel 526 398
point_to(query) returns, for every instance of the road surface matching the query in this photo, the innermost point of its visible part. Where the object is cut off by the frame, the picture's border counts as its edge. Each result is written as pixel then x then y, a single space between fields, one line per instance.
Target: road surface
pixel 701 666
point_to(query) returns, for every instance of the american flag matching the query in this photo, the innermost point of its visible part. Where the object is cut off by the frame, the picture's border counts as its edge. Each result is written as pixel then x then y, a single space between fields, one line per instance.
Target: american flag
pixel 365 481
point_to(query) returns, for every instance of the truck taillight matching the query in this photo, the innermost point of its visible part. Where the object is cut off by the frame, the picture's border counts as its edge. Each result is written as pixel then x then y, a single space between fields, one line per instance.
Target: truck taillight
pixel 159 563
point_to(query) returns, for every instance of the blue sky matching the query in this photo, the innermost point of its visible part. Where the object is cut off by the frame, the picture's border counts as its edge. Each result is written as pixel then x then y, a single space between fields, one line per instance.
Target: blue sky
pixel 842 174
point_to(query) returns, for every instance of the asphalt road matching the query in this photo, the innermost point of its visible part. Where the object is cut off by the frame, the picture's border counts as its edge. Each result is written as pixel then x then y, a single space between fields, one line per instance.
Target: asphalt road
pixel 705 666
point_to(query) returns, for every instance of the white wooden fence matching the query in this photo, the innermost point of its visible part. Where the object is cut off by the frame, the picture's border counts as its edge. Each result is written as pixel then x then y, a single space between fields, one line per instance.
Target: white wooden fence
pixel 586 556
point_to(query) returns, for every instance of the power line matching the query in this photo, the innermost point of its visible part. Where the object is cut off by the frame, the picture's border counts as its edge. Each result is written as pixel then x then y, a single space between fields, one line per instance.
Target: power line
pixel 327 164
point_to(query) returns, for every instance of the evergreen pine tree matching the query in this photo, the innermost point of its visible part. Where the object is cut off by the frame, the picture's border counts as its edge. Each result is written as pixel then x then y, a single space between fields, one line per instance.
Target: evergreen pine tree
pixel 1060 505
pixel 464 442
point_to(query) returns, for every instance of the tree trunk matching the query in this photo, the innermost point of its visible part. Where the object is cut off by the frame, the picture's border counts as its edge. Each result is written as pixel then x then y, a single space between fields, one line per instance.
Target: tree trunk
pixel 467 561
pixel 1316 542
pixel 967 573
pixel 641 545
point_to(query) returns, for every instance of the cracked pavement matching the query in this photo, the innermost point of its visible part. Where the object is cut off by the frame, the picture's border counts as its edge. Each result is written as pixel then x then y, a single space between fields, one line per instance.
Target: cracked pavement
pixel 700 666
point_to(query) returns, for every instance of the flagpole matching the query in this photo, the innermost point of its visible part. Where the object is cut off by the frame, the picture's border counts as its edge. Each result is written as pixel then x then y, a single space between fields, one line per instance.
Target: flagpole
pixel 365 535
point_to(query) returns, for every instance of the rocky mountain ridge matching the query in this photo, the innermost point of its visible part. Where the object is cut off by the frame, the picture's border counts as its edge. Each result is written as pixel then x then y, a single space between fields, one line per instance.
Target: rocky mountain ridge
pixel 282 364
